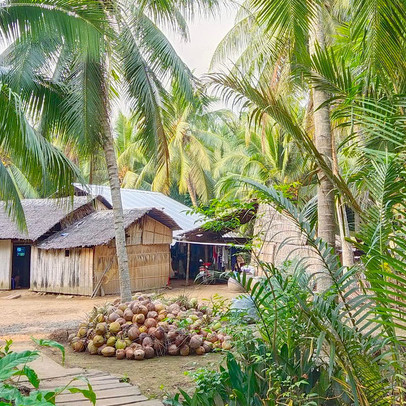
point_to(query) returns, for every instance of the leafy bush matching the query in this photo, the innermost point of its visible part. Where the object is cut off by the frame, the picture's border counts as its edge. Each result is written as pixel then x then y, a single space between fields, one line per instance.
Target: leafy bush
pixel 342 346
pixel 14 364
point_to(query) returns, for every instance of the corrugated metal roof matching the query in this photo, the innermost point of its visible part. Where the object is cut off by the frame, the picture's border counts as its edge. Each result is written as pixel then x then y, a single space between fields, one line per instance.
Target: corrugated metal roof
pixel 134 199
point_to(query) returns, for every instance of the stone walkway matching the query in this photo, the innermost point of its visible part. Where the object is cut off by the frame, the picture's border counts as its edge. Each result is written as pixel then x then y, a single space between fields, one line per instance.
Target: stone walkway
pixel 108 388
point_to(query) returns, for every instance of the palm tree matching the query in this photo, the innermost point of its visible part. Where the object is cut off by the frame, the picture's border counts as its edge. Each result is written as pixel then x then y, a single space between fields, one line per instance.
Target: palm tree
pixel 29 164
pixel 67 60
pixel 267 155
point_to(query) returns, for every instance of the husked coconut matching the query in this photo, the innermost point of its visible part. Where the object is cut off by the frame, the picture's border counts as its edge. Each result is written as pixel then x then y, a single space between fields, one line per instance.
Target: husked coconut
pixel 208 346
pixel 173 349
pixel 139 319
pixel 152 315
pixel 129 353
pixel 143 310
pixel 78 346
pixel 139 355
pixel 113 317
pixel 150 306
pixel 120 354
pixel 184 350
pixel 196 341
pixel 150 323
pixel 200 350
pixel 172 335
pixel 147 342
pixel 159 333
pixel 133 333
pixel 149 352
pixel 128 314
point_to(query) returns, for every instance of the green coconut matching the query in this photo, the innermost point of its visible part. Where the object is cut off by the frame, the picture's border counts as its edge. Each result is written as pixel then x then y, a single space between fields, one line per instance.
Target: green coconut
pixel 98 340
pixel 111 341
pixel 101 328
pixel 115 327
pixel 108 352
pixel 121 344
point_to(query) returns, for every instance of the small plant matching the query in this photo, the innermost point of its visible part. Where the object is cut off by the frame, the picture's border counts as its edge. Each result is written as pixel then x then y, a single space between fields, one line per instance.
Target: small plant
pixel 15 364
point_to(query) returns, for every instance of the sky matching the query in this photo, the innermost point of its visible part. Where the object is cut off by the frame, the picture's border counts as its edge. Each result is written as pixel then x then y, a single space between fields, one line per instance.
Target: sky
pixel 205 35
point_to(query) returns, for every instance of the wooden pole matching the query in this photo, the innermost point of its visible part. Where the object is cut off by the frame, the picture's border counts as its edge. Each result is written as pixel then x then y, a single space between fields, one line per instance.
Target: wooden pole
pixel 187 264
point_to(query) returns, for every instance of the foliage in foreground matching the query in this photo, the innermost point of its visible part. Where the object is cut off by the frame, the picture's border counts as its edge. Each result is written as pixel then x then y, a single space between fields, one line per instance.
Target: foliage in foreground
pixel 16 393
pixel 343 346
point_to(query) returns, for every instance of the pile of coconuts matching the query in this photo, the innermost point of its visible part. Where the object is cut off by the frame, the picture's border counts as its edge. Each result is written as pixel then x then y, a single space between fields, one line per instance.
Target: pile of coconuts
pixel 145 328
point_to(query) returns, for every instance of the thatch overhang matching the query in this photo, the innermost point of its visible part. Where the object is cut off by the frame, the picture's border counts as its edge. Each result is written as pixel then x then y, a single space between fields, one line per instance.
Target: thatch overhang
pixel 98 228
pixel 43 215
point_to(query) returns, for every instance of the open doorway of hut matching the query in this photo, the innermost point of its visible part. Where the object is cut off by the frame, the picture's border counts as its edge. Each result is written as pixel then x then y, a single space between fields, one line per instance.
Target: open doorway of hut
pixel 21 266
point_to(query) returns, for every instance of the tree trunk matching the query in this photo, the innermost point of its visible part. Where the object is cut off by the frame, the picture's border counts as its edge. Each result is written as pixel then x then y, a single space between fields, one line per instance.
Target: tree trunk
pixel 121 250
pixel 323 142
pixel 347 255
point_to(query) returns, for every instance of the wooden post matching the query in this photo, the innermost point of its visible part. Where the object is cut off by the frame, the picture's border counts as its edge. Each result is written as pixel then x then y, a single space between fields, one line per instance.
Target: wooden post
pixel 187 264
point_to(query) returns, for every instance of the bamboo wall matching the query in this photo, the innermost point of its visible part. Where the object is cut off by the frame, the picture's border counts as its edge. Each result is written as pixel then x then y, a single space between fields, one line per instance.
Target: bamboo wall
pixel 52 271
pixel 148 256
pixel 6 257
pixel 279 239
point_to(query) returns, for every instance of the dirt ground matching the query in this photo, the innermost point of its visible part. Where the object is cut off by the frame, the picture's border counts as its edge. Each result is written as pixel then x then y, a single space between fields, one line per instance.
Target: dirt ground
pixel 155 377
pixel 37 315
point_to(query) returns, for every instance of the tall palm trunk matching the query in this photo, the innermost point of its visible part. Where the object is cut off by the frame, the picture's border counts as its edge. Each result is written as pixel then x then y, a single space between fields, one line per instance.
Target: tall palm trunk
pixel 324 144
pixel 112 170
pixel 121 250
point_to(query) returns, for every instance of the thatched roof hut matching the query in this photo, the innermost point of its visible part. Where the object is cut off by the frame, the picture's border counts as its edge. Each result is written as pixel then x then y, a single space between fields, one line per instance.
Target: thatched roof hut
pixel 42 215
pixel 98 229
pixel 81 259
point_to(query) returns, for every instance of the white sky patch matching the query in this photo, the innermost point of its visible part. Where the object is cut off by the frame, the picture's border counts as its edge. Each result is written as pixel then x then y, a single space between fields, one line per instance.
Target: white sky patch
pixel 205 34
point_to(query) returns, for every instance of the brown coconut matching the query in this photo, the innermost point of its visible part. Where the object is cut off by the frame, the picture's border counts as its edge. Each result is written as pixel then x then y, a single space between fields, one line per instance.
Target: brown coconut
pixel 143 310
pixel 200 350
pixel 196 341
pixel 129 353
pixel 173 349
pixel 120 354
pixel 149 352
pixel 147 342
pixel 139 319
pixel 133 333
pixel 128 314
pixel 184 350
pixel 139 355
pixel 150 323
pixel 152 315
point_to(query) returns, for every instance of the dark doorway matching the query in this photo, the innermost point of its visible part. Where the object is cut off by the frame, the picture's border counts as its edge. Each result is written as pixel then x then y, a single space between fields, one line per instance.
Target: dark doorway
pixel 21 266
